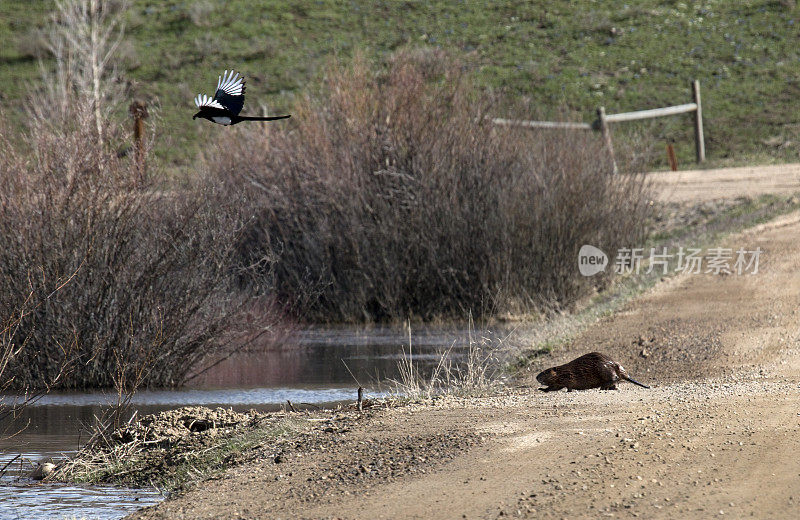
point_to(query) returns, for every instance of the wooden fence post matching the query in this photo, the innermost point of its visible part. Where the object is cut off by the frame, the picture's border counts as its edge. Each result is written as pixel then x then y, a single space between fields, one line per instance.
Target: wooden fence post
pixel 698 123
pixel 601 117
pixel 604 120
pixel 138 110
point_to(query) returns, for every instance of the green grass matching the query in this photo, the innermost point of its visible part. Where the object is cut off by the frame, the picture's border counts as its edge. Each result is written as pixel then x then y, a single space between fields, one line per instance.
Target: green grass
pixel 560 54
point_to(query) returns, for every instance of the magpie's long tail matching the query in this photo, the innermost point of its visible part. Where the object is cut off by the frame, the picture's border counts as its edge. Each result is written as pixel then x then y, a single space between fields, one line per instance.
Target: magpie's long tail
pixel 273 118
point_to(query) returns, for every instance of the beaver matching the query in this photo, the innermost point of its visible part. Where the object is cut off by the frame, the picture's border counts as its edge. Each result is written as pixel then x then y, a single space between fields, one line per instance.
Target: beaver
pixel 42 471
pixel 593 370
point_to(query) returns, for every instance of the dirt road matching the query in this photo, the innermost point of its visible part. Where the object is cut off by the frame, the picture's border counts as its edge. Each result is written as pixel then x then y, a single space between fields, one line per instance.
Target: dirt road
pixel 728 183
pixel 717 435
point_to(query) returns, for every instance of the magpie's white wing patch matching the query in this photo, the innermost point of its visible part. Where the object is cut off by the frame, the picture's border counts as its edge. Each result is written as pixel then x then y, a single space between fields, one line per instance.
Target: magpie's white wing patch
pixel 230 92
pixel 205 101
pixel 231 83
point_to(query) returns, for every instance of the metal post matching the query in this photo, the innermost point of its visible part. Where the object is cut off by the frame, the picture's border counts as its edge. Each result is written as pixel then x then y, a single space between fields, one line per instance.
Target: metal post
pixel 698 123
pixel 601 117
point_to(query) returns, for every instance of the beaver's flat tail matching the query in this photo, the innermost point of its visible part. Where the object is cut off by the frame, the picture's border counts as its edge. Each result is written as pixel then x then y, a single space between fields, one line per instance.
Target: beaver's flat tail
pixel 635 382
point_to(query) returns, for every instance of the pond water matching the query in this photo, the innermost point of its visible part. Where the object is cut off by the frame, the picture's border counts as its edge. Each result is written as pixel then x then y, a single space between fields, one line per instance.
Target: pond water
pixel 317 366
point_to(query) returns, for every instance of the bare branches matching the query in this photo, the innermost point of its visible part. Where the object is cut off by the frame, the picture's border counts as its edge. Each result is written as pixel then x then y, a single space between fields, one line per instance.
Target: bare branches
pixel 153 295
pixel 83 38
pixel 391 195
pixel 12 347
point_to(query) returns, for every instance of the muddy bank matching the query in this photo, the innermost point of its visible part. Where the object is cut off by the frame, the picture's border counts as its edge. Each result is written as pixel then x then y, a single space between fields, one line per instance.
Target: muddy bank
pixel 175 449
pixel 156 448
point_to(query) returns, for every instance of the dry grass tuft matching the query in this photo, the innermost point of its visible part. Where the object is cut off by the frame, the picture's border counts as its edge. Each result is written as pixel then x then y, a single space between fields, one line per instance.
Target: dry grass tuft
pixel 478 374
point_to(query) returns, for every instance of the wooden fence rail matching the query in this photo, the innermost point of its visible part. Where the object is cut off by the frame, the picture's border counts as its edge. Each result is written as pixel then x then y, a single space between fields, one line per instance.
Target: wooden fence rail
pixel 542 124
pixel 653 112
pixel 603 120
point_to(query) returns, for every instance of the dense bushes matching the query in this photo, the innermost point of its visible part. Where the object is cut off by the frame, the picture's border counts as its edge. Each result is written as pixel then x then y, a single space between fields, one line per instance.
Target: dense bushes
pixel 392 195
pixel 130 285
pixel 388 195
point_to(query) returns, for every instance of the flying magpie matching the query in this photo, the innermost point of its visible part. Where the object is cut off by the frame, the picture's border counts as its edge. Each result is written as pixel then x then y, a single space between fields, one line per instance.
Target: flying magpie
pixel 228 101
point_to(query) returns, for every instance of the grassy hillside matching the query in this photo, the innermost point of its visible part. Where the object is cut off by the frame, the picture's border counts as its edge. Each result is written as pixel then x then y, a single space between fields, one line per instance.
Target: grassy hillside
pixel 557 53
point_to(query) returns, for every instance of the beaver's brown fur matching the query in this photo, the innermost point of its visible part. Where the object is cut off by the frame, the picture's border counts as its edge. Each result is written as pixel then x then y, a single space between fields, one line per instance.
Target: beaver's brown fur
pixel 593 370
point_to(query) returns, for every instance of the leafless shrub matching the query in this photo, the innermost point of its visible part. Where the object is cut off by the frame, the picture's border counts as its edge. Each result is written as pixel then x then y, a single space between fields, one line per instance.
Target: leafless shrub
pixel 206 45
pixel 84 36
pixel 11 345
pixel 392 195
pixel 152 268
pixel 637 144
pixel 33 43
pixel 150 296
pixel 127 56
pixel 201 13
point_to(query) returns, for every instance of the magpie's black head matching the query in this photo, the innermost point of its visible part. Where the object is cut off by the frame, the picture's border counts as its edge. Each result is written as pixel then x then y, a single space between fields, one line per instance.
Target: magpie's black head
pixel 197 115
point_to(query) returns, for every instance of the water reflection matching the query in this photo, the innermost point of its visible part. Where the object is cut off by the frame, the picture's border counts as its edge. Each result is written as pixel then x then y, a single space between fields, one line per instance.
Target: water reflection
pixel 319 366
pixel 149 399
pixel 22 498
pixel 37 501
pixel 339 357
